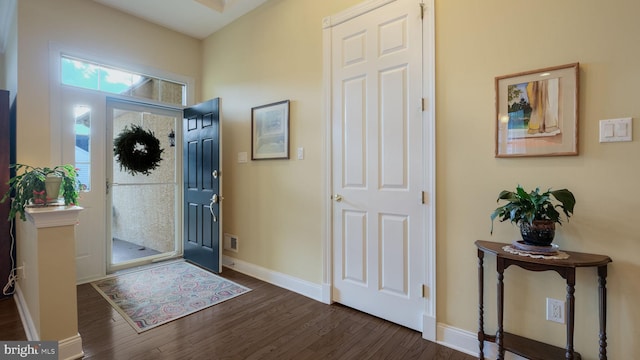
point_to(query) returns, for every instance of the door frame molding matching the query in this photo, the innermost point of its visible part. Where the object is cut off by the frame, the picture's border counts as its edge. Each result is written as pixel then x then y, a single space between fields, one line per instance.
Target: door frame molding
pixel 429 325
pixel 132 105
pixel 56 50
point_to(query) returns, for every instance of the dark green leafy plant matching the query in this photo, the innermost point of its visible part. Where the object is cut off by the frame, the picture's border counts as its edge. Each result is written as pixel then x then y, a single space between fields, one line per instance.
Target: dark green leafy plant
pixel 526 207
pixel 28 184
pixel 137 150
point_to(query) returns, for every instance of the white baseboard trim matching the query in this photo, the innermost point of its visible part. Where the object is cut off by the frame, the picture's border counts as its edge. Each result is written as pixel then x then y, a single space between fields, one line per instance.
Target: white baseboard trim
pixel 29 326
pixel 467 342
pixel 302 287
pixel 326 294
pixel 71 348
pixel 429 328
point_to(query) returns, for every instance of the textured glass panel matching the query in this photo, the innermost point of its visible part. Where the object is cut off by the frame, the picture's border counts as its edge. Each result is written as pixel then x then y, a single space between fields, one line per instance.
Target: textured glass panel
pixel 172 93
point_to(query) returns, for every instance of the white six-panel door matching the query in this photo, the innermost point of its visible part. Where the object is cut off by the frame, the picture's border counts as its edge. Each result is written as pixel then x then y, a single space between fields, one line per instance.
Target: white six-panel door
pixel 378 163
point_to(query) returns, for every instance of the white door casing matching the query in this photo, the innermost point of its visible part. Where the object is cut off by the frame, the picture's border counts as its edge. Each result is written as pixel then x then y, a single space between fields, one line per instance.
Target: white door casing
pixel 149 114
pixel 381 163
pixel 91 238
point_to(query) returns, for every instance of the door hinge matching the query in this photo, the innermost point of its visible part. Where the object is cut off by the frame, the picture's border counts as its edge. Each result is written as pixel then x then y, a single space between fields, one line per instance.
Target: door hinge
pixel 425 291
pixel 424 104
pixel 421 11
pixel 423 197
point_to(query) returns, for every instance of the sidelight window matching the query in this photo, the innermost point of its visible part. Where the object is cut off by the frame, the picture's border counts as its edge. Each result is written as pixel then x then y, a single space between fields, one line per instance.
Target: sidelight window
pixel 83 145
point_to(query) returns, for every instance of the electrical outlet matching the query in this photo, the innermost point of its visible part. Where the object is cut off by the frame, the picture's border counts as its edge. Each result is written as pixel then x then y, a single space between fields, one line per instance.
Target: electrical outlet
pixel 555 310
pixel 21 271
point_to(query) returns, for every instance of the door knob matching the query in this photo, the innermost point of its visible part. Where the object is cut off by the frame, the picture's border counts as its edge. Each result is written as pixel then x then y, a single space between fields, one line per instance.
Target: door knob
pixel 337 197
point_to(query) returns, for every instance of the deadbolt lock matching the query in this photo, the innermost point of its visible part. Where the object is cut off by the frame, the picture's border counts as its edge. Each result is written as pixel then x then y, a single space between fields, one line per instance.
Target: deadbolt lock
pixel 215 199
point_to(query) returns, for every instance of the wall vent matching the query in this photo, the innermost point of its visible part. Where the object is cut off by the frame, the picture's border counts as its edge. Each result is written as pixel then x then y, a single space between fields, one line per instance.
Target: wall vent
pixel 230 242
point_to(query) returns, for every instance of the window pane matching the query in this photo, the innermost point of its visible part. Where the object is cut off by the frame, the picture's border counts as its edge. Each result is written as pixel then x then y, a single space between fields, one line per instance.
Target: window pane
pixel 80 74
pixel 146 88
pixel 83 145
pixel 115 81
pixel 172 93
pixel 89 75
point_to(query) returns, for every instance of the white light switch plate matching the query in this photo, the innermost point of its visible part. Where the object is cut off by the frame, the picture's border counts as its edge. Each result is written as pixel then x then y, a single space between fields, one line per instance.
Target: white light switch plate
pixel 613 130
pixel 242 157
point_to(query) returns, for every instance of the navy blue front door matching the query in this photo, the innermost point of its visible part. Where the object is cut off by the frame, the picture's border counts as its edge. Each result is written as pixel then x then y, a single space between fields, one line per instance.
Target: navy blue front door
pixel 201 133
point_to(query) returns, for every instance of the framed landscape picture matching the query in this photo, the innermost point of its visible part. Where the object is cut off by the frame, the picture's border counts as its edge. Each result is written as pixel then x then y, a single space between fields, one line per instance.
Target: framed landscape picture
pixel 537 112
pixel 270 131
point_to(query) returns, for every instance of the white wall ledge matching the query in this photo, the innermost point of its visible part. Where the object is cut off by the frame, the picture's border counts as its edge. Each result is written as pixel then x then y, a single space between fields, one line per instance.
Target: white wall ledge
pixel 53 216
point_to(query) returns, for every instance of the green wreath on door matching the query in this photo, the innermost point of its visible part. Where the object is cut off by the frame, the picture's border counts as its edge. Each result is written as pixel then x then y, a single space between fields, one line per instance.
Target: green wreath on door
pixel 137 150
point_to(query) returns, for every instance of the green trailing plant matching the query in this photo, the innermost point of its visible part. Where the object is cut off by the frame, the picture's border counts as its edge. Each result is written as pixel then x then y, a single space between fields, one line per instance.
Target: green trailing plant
pixel 27 187
pixel 525 207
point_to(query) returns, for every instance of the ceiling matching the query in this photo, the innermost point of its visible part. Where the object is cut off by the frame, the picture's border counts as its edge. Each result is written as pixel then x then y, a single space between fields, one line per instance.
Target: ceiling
pixel 196 18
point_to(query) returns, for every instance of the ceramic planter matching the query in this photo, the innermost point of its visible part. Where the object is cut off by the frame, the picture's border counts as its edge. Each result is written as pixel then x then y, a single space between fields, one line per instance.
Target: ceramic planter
pixel 540 233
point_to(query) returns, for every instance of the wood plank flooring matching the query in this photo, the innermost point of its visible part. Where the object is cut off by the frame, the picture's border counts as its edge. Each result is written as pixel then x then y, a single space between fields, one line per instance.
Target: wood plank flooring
pixel 266 323
pixel 10 324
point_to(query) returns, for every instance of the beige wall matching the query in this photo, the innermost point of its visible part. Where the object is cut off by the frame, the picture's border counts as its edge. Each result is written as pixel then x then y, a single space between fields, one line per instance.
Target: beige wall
pixel 96 30
pixel 275 207
pixel 477 41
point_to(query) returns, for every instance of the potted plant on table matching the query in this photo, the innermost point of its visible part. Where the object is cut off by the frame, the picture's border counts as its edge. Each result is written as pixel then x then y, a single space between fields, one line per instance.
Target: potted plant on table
pixel 534 212
pixel 39 186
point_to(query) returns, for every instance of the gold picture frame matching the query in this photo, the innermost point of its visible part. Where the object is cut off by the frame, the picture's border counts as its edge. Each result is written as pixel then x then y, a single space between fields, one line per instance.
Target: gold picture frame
pixel 537 112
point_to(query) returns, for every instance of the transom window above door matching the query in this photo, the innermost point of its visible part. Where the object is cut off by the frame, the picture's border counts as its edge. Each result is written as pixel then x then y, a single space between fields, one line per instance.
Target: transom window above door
pixel 91 75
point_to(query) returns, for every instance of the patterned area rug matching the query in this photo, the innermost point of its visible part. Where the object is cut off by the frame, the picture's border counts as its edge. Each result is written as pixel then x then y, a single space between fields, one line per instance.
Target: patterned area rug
pixel 157 295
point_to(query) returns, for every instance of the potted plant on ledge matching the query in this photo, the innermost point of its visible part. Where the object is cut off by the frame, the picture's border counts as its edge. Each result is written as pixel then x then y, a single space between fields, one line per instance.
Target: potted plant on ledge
pixel 534 212
pixel 39 186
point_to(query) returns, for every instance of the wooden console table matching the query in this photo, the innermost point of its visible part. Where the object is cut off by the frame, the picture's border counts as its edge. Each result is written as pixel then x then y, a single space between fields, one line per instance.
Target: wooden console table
pixel 522 346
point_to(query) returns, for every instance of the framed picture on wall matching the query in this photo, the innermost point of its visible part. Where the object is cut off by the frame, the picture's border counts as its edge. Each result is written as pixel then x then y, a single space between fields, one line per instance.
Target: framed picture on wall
pixel 270 131
pixel 537 112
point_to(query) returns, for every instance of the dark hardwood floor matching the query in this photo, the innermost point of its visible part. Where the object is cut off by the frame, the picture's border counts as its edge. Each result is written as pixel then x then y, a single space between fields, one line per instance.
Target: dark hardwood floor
pixel 266 323
pixel 10 324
